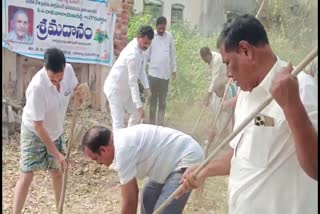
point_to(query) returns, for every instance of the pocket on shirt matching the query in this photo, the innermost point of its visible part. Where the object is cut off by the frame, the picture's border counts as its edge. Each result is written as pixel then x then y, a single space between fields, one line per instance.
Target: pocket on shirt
pixel 253 150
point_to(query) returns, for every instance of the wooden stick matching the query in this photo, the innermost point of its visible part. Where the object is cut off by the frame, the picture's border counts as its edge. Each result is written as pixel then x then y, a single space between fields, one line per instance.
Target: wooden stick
pixel 217 115
pixel 65 174
pixel 267 101
pixel 198 120
pixel 260 9
pixel 73 137
pixel 219 134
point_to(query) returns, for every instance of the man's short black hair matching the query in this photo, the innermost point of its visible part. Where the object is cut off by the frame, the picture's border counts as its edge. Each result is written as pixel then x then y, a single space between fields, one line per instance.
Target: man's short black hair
pixel 242 28
pixel 204 51
pixel 94 138
pixel 161 21
pixel 146 30
pixel 54 60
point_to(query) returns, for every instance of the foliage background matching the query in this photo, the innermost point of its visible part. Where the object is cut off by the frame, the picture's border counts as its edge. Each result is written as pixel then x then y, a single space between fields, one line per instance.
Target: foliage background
pixel 292 30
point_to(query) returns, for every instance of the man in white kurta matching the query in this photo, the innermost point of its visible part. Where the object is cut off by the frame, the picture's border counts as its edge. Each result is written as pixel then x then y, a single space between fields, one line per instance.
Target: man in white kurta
pixel 218 81
pixel 273 162
pixel 121 86
pixel 162 64
pixel 159 153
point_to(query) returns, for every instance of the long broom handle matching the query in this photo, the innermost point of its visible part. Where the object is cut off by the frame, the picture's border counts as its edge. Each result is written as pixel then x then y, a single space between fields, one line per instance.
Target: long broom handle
pixel 219 134
pixel 198 120
pixel 260 9
pixel 218 114
pixel 204 107
pixel 65 174
pixel 268 100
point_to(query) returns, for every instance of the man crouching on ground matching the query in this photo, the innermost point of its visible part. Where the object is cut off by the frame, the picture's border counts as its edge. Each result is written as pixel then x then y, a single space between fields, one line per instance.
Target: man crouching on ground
pixel 159 153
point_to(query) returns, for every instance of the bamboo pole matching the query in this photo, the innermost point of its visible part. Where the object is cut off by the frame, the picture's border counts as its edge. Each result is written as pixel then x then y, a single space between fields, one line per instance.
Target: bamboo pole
pixel 218 114
pixel 74 135
pixel 198 120
pixel 244 123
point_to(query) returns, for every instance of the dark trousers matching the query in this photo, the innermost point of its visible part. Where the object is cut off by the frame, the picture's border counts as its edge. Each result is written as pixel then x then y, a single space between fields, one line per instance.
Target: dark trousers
pixel 158 100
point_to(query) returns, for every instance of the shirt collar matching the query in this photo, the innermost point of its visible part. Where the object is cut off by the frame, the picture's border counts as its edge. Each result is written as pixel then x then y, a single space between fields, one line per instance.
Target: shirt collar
pixel 46 78
pixel 136 45
pixel 266 82
pixel 156 33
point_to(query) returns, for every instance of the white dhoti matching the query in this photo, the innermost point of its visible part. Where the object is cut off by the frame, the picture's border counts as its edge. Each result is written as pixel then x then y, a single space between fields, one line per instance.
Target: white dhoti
pixel 118 104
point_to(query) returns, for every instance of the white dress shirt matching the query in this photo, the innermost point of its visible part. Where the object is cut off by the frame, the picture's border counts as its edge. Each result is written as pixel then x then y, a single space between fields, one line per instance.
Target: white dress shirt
pixel 123 77
pixel 45 103
pixel 217 70
pixel 153 151
pixel 162 56
pixel 266 176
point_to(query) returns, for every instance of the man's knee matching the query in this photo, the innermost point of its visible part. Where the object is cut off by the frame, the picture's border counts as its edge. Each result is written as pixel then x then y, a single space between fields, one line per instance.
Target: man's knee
pixel 26 177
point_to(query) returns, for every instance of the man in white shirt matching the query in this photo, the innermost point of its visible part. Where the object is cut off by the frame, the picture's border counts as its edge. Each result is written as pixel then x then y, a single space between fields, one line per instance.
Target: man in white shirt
pixel 217 73
pixel 162 154
pixel 121 86
pixel 273 162
pixel 162 63
pixel 42 141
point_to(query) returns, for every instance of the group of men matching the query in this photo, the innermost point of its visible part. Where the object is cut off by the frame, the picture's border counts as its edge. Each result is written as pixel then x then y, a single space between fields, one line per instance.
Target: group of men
pixel 155 49
pixel 272 166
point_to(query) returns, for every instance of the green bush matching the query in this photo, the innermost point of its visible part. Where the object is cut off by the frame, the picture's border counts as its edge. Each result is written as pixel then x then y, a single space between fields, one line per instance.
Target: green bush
pixel 190 86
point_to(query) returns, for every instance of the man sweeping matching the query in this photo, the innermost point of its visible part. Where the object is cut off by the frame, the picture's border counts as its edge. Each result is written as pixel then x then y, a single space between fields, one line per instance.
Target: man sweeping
pixel 273 162
pixel 217 73
pixel 159 153
pixel 121 86
pixel 41 138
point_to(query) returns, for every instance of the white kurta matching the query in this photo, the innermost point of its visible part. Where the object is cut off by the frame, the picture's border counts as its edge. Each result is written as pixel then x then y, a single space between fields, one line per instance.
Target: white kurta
pixel 217 71
pixel 265 175
pixel 121 86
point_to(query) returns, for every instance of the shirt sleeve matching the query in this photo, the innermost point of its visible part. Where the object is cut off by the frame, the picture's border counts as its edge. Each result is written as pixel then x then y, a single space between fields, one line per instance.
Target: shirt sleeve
pixel 72 76
pixel 173 56
pixel 134 69
pixel 308 94
pixel 143 75
pixel 36 102
pixel 126 164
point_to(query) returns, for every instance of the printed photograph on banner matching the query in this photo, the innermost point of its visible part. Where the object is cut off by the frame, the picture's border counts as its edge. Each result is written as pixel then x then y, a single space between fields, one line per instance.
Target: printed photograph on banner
pixel 82 29
pixel 20 25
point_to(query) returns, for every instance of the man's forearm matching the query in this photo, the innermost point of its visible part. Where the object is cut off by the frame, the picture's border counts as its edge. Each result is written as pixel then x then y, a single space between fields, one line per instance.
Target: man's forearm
pixel 44 136
pixel 305 138
pixel 221 166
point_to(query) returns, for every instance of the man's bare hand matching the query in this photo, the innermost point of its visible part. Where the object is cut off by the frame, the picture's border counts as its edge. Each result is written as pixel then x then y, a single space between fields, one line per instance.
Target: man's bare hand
pixel 189 181
pixel 141 113
pixel 81 94
pixel 61 161
pixel 285 87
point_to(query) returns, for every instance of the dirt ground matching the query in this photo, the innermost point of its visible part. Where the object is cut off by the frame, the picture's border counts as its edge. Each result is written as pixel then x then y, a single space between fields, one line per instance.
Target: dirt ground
pixel 91 189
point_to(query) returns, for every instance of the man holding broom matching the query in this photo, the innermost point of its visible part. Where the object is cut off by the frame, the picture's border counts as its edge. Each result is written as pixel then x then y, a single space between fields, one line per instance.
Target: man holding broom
pixel 218 83
pixel 41 138
pixel 162 154
pixel 272 163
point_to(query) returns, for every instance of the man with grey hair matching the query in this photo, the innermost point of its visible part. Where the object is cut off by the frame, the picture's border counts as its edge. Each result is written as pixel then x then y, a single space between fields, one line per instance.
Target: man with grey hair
pixel 20 23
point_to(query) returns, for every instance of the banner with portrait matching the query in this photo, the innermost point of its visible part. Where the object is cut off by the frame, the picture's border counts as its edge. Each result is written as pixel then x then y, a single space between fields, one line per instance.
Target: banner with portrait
pixel 82 29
